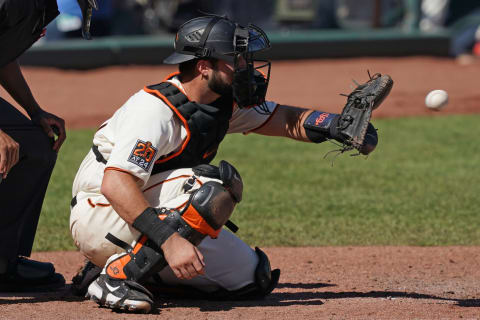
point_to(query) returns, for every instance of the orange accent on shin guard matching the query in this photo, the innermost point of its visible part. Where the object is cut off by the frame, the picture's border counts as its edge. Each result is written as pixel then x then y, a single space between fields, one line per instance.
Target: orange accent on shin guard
pixel 115 268
pixel 197 222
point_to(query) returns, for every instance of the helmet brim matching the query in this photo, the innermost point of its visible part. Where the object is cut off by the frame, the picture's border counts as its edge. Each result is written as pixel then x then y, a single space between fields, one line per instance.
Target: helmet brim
pixel 176 58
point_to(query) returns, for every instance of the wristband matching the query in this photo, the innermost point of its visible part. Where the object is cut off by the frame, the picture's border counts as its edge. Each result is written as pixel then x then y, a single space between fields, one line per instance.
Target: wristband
pixel 320 126
pixel 152 226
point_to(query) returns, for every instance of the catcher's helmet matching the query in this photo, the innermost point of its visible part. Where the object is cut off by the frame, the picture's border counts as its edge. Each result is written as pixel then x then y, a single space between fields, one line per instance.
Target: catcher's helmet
pixel 220 38
pixel 215 37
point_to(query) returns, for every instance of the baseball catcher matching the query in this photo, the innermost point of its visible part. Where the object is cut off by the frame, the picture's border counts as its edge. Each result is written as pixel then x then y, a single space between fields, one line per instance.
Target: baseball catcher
pixel 148 208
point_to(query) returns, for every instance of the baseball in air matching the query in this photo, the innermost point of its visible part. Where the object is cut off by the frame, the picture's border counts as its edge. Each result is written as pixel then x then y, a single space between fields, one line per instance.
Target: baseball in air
pixel 436 99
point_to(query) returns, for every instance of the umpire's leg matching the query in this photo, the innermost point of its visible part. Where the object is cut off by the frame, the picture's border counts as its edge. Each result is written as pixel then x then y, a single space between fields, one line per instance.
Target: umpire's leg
pixel 23 191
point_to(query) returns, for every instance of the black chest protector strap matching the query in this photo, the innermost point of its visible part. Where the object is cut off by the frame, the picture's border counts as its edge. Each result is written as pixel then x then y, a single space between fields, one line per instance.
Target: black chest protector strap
pixel 206 127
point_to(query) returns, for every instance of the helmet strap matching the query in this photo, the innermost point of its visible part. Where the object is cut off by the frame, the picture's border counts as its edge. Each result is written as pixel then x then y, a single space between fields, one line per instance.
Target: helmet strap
pixel 204 52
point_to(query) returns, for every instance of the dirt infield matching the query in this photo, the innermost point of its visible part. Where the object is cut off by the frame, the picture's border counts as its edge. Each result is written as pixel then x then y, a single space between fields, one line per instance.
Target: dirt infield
pixel 316 283
pixel 88 98
pixel 322 283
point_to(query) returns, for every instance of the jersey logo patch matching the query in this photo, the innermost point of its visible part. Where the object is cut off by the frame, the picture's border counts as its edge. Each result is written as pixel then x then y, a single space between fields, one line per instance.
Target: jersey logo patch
pixel 143 154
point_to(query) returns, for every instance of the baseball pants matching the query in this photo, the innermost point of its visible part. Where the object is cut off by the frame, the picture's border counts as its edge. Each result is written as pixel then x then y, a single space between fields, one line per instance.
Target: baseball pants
pixel 23 191
pixel 229 262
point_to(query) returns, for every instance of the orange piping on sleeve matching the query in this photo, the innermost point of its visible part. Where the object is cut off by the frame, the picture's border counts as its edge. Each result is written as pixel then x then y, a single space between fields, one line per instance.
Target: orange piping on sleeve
pixel 187 140
pixel 266 121
pixel 116 169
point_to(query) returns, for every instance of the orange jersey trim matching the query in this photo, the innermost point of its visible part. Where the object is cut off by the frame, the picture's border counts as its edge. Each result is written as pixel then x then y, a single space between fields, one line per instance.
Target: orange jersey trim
pixel 93 205
pixel 189 134
pixel 162 182
pixel 171 75
pixel 116 169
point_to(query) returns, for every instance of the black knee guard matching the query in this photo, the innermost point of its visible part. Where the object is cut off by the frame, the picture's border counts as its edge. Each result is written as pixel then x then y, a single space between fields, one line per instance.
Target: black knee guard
pixel 207 210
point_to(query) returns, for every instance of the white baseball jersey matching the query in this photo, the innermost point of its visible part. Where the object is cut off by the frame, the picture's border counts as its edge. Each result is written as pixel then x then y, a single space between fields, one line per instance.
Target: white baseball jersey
pixel 146 123
pixel 144 119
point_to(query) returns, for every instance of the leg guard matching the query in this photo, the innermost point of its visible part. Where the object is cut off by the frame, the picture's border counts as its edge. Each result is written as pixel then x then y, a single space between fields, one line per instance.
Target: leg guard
pixel 208 209
pixel 266 280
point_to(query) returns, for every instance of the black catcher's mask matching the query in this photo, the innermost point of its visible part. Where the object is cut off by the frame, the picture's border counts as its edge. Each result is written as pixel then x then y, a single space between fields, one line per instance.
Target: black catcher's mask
pixel 220 38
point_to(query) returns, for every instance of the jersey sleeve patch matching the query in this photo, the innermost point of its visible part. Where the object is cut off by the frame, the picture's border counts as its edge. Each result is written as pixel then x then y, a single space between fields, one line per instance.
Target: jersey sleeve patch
pixel 143 154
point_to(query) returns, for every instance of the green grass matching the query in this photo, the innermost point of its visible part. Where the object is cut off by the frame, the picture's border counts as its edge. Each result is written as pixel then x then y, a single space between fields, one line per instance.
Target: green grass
pixel 420 187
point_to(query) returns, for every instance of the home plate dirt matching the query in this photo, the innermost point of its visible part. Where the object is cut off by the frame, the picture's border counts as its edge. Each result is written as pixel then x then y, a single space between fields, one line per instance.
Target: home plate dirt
pixel 316 283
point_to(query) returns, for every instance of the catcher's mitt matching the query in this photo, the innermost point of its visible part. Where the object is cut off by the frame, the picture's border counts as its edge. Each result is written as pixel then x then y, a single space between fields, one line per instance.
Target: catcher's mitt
pixel 355 117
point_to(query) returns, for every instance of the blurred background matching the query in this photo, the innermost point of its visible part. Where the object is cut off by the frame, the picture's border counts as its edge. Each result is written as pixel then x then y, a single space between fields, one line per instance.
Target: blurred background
pixel 328 28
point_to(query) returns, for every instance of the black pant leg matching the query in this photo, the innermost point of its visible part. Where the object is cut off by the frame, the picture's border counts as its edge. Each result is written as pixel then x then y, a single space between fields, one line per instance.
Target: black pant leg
pixel 23 191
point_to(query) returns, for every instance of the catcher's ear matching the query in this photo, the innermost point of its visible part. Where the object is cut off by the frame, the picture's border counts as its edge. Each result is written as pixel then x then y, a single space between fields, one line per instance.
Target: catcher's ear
pixel 371 140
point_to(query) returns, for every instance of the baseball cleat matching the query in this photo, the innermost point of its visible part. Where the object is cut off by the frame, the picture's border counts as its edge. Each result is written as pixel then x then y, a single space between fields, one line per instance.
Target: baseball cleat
pixel 84 277
pixel 120 295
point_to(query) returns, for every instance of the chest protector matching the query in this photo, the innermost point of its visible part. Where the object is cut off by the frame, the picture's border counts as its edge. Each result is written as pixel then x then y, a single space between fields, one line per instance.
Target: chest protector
pixel 206 127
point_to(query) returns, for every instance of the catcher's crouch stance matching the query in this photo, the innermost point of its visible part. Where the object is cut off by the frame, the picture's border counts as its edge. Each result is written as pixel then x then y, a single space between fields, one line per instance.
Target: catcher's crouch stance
pixel 145 197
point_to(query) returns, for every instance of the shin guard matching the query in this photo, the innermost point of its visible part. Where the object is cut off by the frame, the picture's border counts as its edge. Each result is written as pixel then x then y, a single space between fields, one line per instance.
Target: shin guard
pixel 207 210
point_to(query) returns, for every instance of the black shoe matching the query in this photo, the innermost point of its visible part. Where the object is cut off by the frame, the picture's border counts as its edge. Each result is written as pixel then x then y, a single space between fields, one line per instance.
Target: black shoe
pixel 24 275
pixel 84 277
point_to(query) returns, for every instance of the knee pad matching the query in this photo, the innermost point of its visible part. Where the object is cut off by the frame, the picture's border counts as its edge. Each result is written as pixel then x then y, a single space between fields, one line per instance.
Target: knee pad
pixel 207 210
pixel 230 177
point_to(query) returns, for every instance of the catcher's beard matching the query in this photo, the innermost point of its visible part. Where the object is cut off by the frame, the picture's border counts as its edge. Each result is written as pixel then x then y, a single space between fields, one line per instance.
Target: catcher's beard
pixel 217 85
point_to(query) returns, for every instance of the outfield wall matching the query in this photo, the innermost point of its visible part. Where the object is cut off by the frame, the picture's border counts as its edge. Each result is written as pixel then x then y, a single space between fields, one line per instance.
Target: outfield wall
pixel 314 44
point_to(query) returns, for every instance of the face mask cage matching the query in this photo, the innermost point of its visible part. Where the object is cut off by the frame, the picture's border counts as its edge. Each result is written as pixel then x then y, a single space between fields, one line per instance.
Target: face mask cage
pixel 251 75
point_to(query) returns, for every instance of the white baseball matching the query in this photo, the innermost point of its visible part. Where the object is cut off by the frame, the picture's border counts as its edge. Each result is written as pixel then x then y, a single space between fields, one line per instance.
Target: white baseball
pixel 436 99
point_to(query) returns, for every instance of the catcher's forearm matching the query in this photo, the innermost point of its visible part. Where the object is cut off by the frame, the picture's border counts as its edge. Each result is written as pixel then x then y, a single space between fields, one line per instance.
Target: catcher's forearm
pixel 286 121
pixel 121 190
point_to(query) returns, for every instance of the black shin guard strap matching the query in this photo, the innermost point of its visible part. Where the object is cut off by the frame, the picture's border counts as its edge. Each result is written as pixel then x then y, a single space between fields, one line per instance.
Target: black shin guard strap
pixel 150 225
